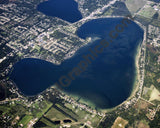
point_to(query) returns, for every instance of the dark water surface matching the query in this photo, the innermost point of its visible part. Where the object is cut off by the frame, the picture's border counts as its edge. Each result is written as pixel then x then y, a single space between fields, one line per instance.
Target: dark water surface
pixel 106 82
pixel 64 9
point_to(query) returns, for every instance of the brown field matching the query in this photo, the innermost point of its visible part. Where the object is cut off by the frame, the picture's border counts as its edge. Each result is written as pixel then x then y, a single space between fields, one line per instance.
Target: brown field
pixel 53 114
pixel 142 104
pixel 119 123
pixel 142 125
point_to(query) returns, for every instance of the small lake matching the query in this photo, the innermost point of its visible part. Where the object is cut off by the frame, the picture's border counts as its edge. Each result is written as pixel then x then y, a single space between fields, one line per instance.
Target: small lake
pixel 63 9
pixel 106 82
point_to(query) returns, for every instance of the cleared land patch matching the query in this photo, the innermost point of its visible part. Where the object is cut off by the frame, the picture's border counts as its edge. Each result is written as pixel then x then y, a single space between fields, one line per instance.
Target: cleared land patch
pixel 155 95
pixel 120 123
pixel 134 5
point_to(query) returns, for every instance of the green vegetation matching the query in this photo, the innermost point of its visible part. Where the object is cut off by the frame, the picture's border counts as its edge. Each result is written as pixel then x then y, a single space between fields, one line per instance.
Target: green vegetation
pixel 58 35
pixel 20 54
pixel 37 48
pixel 4 109
pixel 16 111
pixel 40 109
pixel 25 120
pixel 147 12
pixel 155 123
pixel 146 93
pixel 48 123
pixel 152 68
pixel 68 111
pixel 53 114
pixel 44 122
pixel 108 12
pixel 13 113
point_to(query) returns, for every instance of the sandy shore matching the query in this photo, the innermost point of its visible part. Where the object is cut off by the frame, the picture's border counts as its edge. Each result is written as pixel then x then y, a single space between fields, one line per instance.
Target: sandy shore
pixel 135 83
pixel 135 87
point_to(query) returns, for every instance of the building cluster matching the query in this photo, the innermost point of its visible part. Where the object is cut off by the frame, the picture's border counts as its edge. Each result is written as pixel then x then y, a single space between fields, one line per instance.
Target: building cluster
pixel 154 35
pixel 31 34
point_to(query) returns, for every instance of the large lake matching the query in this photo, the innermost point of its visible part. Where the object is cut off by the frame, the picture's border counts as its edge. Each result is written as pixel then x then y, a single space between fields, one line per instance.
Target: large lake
pixel 63 9
pixel 106 82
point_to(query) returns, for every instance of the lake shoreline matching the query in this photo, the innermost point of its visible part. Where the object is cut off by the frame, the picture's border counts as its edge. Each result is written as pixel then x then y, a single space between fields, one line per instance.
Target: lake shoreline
pixel 133 91
pixel 105 97
pixel 136 82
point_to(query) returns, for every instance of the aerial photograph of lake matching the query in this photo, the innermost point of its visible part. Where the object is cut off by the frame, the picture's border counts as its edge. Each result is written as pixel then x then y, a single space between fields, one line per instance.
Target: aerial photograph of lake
pixel 106 82
pixel 79 63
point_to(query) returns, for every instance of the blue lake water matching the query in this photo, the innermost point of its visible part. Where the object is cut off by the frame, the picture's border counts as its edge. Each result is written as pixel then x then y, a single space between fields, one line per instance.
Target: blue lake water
pixel 64 9
pixel 106 82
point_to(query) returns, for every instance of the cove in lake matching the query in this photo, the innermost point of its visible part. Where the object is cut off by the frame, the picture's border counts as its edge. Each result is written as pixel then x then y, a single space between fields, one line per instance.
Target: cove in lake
pixel 106 82
pixel 63 9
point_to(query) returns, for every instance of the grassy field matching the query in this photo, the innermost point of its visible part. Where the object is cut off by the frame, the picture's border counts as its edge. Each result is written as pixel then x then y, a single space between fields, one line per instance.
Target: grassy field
pixel 25 120
pixel 42 110
pixel 53 114
pixel 155 95
pixel 146 93
pixel 68 111
pixel 147 12
pixel 48 123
